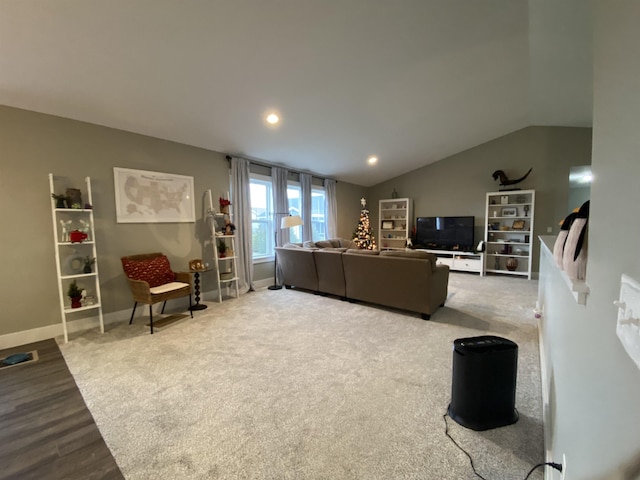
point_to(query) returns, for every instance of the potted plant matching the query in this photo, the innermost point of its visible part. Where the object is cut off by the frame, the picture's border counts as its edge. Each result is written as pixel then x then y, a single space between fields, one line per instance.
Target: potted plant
pixel 75 294
pixel 222 248
pixel 61 200
pixel 224 205
pixel 88 262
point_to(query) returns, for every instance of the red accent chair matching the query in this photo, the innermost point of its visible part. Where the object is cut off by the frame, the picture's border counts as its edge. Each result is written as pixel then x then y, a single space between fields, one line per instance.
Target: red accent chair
pixel 152 280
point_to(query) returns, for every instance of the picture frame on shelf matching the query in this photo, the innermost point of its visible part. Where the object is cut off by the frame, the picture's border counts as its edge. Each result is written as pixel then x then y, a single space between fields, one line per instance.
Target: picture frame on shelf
pixel 387 225
pixel 509 212
pixel 504 199
pixel 517 225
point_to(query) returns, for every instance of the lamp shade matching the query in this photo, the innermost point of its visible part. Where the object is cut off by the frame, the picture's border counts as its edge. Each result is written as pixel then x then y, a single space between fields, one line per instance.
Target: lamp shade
pixel 290 221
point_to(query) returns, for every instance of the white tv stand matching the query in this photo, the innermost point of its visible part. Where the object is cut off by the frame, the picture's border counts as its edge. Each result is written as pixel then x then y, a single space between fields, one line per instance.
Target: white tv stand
pixel 460 261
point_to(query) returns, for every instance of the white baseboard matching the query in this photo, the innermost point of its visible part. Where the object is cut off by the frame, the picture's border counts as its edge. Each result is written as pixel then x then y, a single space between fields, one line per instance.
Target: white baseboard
pixel 52 331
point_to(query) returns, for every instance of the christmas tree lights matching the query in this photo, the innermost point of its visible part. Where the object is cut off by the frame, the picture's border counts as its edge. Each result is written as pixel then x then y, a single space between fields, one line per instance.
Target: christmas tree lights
pixel 363 236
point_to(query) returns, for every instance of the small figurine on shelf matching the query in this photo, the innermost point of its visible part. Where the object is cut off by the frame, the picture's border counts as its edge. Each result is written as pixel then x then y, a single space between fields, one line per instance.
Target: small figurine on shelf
pixel 66 225
pixel 84 227
pixel 229 227
pixel 224 205
pixel 61 200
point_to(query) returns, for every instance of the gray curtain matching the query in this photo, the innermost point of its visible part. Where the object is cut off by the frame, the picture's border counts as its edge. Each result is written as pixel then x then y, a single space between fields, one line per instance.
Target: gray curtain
pixel 280 209
pixel 280 203
pixel 240 194
pixel 305 184
pixel 331 208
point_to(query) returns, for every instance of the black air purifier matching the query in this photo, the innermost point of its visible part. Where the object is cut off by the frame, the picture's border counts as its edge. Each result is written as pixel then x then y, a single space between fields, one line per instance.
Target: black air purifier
pixel 483 388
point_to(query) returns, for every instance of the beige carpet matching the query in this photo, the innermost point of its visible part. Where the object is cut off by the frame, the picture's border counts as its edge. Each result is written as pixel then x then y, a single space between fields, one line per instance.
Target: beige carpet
pixel 290 385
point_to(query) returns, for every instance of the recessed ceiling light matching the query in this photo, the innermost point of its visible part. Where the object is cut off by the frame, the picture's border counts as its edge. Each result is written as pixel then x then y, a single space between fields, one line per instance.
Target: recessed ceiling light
pixel 372 160
pixel 273 118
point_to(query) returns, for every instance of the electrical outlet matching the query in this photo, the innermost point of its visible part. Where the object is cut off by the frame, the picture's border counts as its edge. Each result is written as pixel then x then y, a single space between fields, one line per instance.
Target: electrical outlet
pixel 563 475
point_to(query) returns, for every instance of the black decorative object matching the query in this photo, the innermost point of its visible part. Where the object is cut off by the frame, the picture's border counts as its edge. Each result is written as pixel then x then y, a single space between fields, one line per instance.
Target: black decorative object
pixel 504 180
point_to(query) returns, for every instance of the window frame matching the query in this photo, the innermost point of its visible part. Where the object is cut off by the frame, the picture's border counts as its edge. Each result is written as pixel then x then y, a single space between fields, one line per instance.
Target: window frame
pixel 268 222
pixel 265 180
pixel 324 219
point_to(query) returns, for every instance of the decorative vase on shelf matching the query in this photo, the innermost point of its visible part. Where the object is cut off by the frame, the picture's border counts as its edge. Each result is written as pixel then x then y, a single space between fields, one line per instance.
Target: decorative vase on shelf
pixel 76 302
pixel 512 264
pixel 87 269
pixel 394 194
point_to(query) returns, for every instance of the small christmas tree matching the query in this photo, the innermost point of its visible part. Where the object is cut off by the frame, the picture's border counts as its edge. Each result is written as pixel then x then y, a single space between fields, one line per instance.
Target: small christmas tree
pixel 363 236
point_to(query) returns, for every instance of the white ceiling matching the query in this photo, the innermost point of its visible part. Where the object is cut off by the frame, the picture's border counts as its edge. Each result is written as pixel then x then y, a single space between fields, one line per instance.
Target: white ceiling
pixel 412 81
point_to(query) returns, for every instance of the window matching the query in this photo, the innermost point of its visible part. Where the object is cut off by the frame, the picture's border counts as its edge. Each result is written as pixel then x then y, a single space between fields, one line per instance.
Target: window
pixel 261 225
pixel 262 234
pixel 294 195
pixel 318 214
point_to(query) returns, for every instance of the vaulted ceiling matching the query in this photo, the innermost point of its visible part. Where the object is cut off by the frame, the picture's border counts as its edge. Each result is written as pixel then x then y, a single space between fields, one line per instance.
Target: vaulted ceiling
pixel 410 81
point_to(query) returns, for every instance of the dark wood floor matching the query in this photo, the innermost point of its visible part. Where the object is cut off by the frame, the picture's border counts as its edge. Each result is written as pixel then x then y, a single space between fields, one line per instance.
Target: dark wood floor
pixel 46 430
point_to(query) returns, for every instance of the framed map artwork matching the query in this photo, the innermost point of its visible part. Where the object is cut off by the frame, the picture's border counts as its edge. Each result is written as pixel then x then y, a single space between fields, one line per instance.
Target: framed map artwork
pixel 153 197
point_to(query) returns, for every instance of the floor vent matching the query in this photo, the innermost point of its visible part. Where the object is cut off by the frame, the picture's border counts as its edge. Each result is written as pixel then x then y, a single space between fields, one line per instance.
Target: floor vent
pixel 17 359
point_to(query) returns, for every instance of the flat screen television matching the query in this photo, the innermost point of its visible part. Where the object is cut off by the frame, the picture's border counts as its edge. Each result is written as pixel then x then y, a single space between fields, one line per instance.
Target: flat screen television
pixel 445 233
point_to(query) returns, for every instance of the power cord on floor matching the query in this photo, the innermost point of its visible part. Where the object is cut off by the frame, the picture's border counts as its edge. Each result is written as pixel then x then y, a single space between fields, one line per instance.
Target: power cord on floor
pixel 557 466
pixel 446 432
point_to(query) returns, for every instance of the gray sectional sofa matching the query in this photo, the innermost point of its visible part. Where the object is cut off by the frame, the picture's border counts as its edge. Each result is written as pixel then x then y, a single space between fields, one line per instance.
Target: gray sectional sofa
pixel 407 280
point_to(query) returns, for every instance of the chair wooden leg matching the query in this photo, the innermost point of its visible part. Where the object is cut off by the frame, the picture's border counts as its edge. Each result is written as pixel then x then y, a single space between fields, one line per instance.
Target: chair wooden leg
pixel 133 313
pixel 190 310
pixel 151 318
pixel 163 305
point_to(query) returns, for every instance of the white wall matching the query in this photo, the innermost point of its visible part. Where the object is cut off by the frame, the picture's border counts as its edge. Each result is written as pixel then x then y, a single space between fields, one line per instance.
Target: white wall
pixel 594 387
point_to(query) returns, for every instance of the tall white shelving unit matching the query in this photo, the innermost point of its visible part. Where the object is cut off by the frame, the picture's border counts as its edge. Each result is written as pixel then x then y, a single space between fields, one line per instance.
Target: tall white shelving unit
pixel 509 232
pixel 69 256
pixel 394 223
pixel 226 270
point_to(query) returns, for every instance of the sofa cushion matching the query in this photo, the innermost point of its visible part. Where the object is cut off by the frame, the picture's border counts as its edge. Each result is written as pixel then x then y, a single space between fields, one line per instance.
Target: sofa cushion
pixel 308 244
pixel 292 245
pixel 412 254
pixel 155 271
pixel 324 244
pixel 362 251
pixel 344 243
pixel 335 243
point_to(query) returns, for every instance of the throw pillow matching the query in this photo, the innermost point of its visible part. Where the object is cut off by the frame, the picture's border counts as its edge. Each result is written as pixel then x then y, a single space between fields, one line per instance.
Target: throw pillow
pixel 324 244
pixel 155 271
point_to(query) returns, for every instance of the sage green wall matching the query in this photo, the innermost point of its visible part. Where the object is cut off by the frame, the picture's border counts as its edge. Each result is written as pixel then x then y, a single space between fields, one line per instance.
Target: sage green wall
pixel 33 145
pixel 349 207
pixel 458 185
